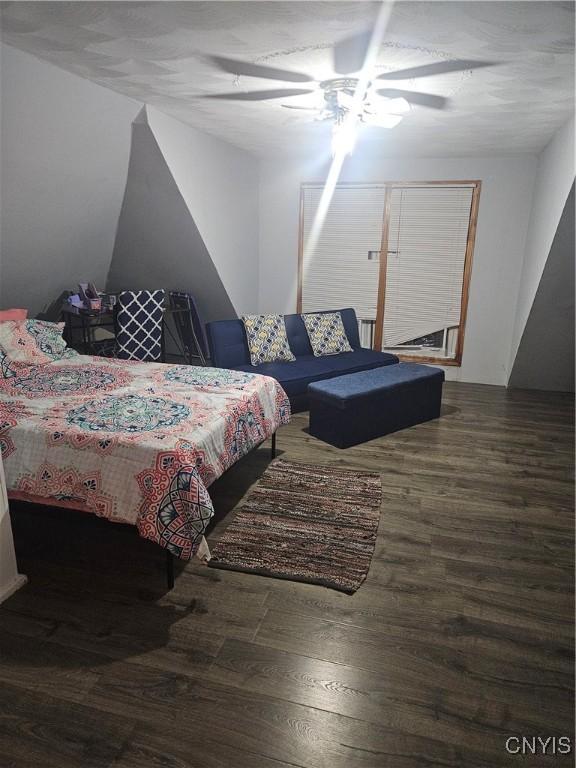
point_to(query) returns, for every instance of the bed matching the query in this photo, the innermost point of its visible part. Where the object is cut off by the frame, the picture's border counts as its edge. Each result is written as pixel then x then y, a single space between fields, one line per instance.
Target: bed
pixel 136 443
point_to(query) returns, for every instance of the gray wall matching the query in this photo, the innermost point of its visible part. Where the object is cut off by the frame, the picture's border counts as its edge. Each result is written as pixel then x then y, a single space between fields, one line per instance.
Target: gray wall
pixel 545 358
pixel 158 244
pixel 64 152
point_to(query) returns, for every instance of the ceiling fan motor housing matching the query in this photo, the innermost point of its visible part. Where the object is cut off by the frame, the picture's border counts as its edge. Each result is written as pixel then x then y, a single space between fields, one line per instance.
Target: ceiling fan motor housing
pixel 340 84
pixel 338 93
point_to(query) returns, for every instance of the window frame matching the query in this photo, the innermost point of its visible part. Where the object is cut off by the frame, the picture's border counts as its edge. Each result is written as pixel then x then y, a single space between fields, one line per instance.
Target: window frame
pixel 476 185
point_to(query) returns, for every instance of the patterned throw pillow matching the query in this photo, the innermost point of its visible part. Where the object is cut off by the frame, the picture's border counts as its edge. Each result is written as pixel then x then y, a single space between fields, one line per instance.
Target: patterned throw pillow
pixel 267 339
pixel 326 333
pixel 31 342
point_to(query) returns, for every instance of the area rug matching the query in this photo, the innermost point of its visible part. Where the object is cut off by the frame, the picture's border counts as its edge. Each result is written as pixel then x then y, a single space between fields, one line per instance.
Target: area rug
pixel 305 522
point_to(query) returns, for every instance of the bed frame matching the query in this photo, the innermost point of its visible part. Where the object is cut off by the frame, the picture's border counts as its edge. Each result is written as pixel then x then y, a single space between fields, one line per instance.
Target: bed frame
pixel 170 557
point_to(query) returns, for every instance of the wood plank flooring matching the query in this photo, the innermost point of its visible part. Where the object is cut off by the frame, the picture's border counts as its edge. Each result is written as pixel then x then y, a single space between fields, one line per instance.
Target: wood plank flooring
pixel 461 636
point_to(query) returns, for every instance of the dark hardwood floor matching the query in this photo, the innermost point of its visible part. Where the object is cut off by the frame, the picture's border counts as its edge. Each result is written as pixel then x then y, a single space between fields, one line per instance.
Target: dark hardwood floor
pixel 461 637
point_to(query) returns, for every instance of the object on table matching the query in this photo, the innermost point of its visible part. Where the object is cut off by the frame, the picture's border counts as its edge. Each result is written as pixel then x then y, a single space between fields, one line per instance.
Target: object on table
pixel 87 292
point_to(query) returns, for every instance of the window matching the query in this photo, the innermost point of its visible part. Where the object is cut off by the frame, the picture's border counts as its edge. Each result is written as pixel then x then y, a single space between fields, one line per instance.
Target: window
pixel 347 247
pixel 411 300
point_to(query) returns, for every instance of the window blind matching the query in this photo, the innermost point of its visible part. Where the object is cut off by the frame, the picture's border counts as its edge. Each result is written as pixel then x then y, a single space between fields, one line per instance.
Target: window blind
pixel 336 270
pixel 427 239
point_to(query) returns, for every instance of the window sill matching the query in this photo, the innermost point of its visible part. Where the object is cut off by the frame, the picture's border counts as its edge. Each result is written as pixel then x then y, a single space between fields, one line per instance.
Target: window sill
pixel 451 361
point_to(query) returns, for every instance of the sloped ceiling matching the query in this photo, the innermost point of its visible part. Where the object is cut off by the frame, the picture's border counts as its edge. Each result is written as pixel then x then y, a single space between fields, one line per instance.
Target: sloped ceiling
pixel 157 240
pixel 545 357
pixel 155 53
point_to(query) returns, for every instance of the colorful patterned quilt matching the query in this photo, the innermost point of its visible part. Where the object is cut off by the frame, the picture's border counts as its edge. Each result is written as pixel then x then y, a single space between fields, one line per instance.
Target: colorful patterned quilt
pixel 136 443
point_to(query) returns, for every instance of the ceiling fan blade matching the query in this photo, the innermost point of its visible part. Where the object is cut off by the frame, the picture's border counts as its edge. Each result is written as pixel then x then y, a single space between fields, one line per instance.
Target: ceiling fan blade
pixel 279 93
pixel 439 68
pixel 235 67
pixel 415 97
pixel 350 53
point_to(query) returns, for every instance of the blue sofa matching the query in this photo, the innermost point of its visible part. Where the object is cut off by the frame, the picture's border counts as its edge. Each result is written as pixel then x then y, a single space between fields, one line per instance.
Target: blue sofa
pixel 229 349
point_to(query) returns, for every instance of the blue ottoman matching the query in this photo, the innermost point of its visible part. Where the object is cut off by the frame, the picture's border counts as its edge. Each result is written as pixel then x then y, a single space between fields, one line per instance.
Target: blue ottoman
pixel 352 409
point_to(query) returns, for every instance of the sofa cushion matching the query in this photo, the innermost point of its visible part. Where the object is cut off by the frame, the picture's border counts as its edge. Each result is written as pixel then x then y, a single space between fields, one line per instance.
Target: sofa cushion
pixel 295 377
pixel 227 344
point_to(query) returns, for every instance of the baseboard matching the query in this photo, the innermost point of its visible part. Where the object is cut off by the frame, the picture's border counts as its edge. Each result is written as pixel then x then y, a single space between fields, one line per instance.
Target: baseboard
pixel 12 587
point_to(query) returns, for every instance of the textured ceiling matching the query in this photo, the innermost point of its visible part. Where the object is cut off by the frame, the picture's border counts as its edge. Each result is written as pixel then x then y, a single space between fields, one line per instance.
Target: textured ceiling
pixel 154 52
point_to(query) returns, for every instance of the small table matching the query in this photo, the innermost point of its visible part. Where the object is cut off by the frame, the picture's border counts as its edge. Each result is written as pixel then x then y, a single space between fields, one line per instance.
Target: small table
pixel 85 322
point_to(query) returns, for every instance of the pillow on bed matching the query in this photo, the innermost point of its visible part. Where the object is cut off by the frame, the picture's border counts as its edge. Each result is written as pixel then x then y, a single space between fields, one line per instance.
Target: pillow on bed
pixel 267 339
pixel 6 370
pixel 326 333
pixel 31 342
pixel 13 314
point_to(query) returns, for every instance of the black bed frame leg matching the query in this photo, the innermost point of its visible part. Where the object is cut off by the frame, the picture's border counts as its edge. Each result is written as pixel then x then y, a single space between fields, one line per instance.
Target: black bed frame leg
pixel 273 447
pixel 169 569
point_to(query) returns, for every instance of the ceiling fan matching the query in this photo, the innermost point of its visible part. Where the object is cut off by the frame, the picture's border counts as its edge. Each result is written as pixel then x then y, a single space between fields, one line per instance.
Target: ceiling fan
pixel 349 55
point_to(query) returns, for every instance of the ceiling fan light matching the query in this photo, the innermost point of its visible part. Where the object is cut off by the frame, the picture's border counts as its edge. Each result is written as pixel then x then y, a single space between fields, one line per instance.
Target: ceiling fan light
pixel 343 138
pixel 345 99
pixel 383 120
pixel 393 106
pixel 396 106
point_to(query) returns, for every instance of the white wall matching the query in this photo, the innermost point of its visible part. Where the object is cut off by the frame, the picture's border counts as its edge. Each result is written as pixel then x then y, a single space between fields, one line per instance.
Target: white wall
pixel 219 184
pixel 505 203
pixel 554 178
pixel 64 151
